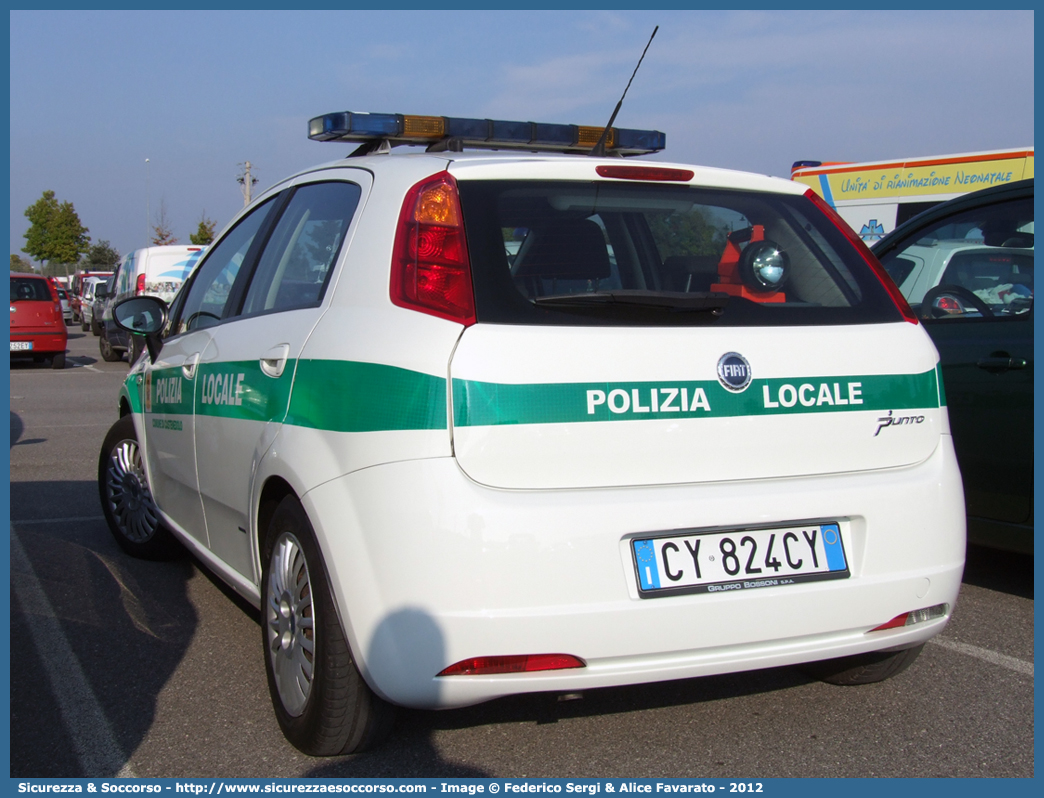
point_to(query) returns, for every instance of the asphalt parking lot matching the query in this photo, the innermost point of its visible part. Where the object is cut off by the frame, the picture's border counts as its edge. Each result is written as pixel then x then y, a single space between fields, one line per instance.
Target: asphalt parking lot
pixel 150 669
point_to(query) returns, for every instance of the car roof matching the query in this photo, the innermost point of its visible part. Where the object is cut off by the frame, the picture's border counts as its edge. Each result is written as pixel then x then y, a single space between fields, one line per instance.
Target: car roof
pixel 1017 190
pixel 508 165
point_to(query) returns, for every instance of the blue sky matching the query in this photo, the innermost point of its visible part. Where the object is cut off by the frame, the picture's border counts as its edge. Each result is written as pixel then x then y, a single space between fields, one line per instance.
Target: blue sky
pixel 93 94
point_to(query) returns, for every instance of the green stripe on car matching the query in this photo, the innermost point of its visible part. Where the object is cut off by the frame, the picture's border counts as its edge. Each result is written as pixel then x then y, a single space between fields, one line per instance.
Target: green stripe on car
pixel 488 404
pixel 349 396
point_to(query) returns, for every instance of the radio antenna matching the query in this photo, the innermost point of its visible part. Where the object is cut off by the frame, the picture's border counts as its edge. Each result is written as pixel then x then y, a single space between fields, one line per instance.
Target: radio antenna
pixel 599 149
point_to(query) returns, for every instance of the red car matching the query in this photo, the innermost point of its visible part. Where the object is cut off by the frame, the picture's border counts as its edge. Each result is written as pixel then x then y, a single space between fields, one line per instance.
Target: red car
pixel 37 327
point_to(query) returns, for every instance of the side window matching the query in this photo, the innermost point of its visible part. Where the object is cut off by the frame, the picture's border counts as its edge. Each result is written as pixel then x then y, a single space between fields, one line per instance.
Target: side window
pixel 978 263
pixel 293 270
pixel 204 305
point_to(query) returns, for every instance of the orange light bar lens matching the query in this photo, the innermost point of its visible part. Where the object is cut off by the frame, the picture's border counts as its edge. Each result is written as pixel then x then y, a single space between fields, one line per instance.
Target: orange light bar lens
pixel 423 126
pixel 588 136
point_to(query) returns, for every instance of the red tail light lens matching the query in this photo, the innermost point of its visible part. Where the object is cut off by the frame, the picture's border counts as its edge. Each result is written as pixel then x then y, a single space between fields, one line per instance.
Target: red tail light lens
pixel 871 260
pixel 431 272
pixel 140 287
pixel 521 663
pixel 895 623
pixel 645 173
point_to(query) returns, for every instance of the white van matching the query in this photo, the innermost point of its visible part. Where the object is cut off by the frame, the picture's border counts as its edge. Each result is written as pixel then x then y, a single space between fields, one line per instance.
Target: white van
pixel 875 197
pixel 158 271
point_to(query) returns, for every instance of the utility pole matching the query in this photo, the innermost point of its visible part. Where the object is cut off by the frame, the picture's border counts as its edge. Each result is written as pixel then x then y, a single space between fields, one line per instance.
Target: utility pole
pixel 148 219
pixel 247 181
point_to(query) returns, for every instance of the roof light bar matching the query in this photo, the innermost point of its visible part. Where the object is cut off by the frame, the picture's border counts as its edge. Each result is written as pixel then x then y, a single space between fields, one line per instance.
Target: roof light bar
pixel 480 133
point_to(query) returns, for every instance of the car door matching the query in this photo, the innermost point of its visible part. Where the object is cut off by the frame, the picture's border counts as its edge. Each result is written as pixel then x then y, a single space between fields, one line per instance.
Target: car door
pixel 172 384
pixel 246 369
pixel 979 313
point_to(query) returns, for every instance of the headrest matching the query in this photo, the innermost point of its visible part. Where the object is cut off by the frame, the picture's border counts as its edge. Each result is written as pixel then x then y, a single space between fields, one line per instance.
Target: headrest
pixel 571 249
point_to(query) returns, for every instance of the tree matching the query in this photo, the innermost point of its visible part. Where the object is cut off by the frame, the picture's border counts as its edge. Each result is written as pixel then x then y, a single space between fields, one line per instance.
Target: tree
pixel 55 234
pixel 205 232
pixel 20 264
pixel 58 269
pixel 162 234
pixel 102 257
pixel 685 233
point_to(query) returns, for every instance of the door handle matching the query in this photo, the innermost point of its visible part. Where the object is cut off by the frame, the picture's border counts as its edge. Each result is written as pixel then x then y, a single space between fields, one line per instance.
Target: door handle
pixel 1001 361
pixel 188 368
pixel 274 360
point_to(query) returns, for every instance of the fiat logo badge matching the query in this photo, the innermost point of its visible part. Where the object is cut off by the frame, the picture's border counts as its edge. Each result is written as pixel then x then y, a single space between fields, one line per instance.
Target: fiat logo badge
pixel 733 372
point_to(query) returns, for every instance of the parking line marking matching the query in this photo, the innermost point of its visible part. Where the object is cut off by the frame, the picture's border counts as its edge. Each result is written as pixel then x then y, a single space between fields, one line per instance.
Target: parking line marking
pixel 97 750
pixel 993 657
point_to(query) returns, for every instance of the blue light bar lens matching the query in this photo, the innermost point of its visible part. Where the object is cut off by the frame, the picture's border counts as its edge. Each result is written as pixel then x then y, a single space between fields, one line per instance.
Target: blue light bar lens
pixel 330 126
pixel 640 139
pixel 470 129
pixel 515 132
pixel 564 135
pixel 377 124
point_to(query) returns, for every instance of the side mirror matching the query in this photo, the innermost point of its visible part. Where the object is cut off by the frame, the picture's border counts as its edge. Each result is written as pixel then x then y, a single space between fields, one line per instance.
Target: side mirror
pixel 101 292
pixel 142 315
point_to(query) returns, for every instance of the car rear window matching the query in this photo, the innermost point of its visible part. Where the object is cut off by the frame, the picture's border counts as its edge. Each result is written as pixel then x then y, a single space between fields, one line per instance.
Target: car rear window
pixel 29 289
pixel 648 255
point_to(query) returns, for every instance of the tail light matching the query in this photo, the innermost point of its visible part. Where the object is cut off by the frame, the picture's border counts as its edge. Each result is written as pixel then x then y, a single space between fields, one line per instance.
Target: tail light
pixel 871 260
pixel 520 663
pixel 53 286
pixel 645 173
pixel 140 287
pixel 431 271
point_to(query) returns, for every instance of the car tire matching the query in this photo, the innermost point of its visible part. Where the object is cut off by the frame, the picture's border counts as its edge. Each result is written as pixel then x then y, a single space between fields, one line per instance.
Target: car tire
pixel 58 361
pixel 95 327
pixel 83 324
pixel 109 355
pixel 126 498
pixel 321 702
pixel 875 666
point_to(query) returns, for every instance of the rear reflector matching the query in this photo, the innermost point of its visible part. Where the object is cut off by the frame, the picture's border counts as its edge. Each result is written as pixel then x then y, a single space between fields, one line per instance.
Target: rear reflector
pixel 521 663
pixel 868 256
pixel 911 618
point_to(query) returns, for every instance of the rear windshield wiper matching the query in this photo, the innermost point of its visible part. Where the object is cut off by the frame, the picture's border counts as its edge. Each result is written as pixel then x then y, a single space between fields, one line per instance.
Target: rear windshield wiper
pixel 675 301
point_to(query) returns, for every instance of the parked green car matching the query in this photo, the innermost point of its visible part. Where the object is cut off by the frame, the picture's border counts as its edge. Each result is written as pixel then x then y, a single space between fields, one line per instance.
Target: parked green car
pixel 966 267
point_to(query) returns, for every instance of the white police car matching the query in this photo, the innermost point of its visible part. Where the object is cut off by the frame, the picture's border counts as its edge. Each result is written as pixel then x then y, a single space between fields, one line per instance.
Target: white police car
pixel 465 425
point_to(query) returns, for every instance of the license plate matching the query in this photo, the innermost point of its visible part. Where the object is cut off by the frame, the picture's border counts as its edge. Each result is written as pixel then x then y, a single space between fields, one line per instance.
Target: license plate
pixel 743 559
pixel 21 346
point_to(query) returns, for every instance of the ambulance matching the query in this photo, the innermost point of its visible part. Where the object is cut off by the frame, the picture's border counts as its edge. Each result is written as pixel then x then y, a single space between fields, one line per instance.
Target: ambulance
pixel 487 415
pixel 874 197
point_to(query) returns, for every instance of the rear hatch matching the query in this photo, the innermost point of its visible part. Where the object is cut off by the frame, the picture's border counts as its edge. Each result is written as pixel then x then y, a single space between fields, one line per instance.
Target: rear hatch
pixel 638 333
pixel 32 305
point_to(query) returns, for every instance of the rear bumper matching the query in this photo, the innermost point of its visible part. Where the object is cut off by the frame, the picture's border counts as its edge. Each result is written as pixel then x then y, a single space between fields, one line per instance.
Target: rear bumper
pixel 430 568
pixel 42 341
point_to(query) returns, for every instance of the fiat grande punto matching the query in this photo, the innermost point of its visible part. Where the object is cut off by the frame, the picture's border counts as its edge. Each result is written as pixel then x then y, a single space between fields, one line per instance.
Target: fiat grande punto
pixel 466 423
